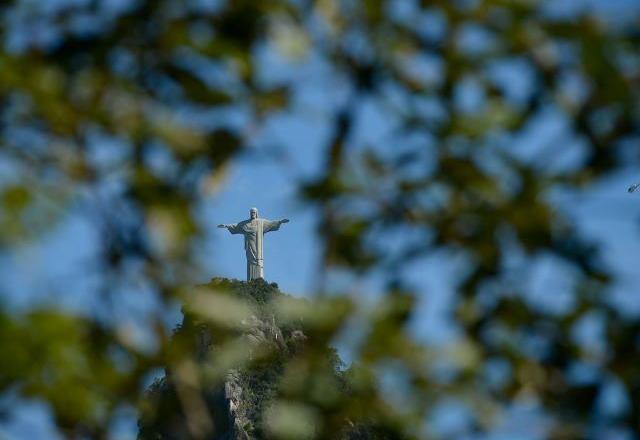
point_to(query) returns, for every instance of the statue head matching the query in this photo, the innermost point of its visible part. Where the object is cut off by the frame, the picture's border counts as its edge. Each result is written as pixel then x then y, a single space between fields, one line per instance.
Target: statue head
pixel 253 213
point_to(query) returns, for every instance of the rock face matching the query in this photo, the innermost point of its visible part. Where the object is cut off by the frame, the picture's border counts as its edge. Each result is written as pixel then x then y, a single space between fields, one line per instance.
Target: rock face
pixel 182 405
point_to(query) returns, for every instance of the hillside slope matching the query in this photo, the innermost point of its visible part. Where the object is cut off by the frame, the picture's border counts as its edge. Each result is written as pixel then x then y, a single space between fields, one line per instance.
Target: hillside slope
pixel 230 353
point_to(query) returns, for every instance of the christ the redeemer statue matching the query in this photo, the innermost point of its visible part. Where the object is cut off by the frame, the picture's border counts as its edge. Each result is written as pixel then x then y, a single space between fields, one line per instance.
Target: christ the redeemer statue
pixel 253 230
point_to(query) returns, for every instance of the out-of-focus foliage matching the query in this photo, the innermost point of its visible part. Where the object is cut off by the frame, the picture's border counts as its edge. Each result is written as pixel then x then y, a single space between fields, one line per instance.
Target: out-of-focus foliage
pixel 133 111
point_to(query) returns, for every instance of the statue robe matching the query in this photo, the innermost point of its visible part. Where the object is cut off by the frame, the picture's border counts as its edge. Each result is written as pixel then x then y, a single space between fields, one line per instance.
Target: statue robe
pixel 253 231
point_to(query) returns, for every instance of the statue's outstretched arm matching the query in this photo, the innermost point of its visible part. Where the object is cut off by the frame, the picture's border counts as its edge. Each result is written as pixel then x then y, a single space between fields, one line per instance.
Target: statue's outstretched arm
pixel 233 228
pixel 274 225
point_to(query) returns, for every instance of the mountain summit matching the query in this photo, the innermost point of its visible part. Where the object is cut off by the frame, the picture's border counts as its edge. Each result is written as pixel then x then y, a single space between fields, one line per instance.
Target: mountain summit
pixel 236 358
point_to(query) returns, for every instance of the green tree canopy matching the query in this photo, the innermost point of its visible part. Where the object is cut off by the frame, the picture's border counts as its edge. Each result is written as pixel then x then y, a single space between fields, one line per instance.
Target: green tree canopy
pixel 92 91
